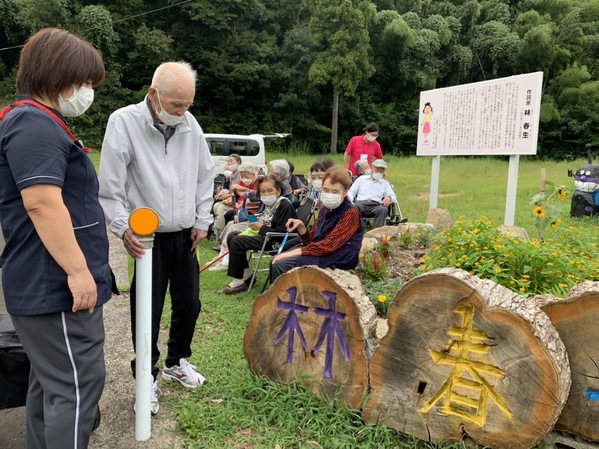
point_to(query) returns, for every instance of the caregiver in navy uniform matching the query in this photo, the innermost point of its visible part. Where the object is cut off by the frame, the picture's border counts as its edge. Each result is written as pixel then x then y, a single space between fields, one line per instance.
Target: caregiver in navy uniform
pixel 55 269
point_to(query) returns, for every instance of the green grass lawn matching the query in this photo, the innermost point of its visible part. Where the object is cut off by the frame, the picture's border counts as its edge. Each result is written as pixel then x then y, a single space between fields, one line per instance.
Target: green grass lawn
pixel 237 409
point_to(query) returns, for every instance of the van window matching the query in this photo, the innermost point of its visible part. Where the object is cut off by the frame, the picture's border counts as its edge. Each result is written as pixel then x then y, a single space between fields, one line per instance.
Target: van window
pixel 217 147
pixel 224 147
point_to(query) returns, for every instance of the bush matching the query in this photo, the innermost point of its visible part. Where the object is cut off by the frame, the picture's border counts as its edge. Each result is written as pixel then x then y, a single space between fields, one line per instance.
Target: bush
pixel 529 267
pixel 374 265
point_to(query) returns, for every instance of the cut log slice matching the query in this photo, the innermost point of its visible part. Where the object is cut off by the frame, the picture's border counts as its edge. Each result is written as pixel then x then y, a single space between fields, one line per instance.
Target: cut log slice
pixel 315 326
pixel 576 319
pixel 468 358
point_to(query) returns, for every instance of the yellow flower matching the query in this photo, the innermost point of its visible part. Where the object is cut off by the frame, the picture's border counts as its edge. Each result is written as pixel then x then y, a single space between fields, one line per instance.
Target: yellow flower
pixel 382 298
pixel 562 194
pixel 539 211
pixel 361 256
pixel 497 270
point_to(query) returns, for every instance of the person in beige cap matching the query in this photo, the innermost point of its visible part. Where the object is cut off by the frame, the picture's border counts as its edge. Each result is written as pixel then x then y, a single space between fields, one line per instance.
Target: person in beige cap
pixel 371 194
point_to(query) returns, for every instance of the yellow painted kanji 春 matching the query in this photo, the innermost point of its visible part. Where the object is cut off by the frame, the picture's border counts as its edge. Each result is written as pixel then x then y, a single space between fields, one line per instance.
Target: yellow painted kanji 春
pixel 466 393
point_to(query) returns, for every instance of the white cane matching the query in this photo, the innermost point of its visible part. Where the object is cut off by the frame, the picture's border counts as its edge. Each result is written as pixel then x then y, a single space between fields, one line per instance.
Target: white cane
pixel 143 222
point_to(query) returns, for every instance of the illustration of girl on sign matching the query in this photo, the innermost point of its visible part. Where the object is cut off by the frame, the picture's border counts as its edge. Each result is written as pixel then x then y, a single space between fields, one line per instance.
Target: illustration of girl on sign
pixel 428 115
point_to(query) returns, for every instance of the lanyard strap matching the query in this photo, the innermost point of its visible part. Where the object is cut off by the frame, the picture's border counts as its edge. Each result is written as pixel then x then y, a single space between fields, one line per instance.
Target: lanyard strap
pixel 62 124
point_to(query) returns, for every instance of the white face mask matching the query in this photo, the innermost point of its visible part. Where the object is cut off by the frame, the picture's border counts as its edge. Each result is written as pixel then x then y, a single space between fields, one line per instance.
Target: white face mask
pixel 317 184
pixel 78 103
pixel 227 173
pixel 269 200
pixel 165 117
pixel 247 181
pixel 377 176
pixel 331 200
pixel 371 138
pixel 367 172
pixel 232 167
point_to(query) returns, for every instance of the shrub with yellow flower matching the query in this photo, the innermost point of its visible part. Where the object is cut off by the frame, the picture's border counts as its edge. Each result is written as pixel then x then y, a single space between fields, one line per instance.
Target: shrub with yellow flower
pixel 548 206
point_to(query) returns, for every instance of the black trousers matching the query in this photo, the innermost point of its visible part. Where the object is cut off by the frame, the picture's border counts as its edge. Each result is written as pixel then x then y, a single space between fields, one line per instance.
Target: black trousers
pixel 174 266
pixel 238 247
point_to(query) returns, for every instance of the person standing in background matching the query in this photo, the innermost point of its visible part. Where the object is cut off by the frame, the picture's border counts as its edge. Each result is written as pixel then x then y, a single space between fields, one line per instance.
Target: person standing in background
pixel 56 276
pixel 155 155
pixel 363 147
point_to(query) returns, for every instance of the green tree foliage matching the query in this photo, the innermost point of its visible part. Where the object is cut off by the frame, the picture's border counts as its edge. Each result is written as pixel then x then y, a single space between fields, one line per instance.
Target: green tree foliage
pixel 341 29
pixel 284 65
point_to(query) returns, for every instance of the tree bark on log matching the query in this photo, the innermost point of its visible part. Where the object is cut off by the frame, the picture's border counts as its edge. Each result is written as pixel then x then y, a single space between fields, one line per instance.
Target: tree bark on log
pixel 315 326
pixel 576 319
pixel 466 357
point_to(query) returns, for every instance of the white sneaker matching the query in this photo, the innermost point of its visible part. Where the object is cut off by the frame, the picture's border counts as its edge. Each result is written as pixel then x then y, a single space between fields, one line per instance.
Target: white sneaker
pixel 154 395
pixel 184 373
pixel 218 267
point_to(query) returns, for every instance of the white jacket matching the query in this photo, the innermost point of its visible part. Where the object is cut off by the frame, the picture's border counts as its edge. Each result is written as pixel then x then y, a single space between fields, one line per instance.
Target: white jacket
pixel 139 169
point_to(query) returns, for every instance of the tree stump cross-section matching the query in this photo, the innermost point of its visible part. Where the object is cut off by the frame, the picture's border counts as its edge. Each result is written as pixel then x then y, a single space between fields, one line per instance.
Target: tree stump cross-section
pixel 467 358
pixel 313 325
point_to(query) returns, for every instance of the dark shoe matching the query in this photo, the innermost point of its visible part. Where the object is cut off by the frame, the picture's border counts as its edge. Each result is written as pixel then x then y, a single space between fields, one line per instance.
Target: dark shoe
pixel 98 418
pixel 232 290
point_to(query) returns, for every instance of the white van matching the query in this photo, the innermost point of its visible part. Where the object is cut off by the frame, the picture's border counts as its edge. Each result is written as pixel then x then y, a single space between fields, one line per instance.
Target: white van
pixel 250 148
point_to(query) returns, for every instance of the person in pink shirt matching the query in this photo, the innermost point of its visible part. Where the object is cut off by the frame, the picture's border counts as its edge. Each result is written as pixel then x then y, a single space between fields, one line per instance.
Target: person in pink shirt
pixel 364 147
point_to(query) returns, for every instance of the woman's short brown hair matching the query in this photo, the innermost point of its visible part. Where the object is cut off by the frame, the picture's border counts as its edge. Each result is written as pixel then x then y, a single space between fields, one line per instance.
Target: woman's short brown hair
pixel 338 175
pixel 54 60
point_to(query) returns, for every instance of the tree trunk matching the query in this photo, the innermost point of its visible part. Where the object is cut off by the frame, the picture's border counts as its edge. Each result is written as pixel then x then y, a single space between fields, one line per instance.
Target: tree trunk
pixel 466 357
pixel 315 326
pixel 335 124
pixel 576 320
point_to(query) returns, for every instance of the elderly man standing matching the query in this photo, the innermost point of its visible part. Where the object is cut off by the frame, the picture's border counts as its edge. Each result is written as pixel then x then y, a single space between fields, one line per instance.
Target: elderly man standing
pixel 155 155
pixel 371 194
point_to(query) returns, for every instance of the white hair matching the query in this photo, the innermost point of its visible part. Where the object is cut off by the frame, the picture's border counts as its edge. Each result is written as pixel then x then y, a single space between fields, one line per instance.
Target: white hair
pixel 168 74
pixel 280 167
pixel 248 167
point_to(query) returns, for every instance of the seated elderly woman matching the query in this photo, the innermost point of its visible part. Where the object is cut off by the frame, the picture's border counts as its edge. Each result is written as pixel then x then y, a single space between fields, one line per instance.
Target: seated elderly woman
pixel 280 168
pixel 275 213
pixel 336 238
pixel 224 198
pixel 248 181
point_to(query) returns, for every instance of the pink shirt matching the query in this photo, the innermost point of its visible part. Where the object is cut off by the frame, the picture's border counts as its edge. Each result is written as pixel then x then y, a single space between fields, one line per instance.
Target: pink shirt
pixel 358 149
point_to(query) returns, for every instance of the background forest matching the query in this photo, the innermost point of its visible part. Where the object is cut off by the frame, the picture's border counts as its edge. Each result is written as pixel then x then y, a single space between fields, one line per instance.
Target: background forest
pixel 279 65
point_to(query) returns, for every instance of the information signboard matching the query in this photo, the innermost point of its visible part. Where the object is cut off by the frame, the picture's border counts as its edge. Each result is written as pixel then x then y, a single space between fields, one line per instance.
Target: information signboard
pixel 496 117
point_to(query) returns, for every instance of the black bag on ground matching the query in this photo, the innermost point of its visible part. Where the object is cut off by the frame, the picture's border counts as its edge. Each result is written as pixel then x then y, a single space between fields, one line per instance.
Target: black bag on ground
pixel 14 366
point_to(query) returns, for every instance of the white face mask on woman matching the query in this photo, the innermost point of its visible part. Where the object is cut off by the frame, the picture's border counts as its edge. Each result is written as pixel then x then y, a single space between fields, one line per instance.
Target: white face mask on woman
pixel 268 200
pixel 371 138
pixel 317 184
pixel 331 200
pixel 78 103
pixel 165 117
pixel 247 181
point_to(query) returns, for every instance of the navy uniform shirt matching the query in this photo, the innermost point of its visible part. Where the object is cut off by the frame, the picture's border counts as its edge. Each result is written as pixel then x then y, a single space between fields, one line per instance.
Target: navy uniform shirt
pixel 34 149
